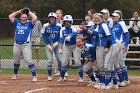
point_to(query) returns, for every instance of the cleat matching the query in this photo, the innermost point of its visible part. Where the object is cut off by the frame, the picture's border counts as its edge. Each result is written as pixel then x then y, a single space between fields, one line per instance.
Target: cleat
pixel 97 85
pixel 49 78
pixel 107 87
pixel 121 84
pixel 111 85
pixel 65 79
pixel 101 87
pixel 66 74
pixel 80 80
pixel 14 77
pixel 115 86
pixel 92 83
pixel 57 74
pixel 127 82
pixel 34 79
pixel 104 87
pixel 60 79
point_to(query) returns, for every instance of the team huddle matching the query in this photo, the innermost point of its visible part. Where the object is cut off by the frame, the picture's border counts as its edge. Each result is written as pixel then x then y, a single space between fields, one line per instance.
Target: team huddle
pixel 102 38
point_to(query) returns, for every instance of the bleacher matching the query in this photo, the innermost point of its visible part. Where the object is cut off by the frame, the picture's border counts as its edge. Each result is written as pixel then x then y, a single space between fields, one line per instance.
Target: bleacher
pixel 133 56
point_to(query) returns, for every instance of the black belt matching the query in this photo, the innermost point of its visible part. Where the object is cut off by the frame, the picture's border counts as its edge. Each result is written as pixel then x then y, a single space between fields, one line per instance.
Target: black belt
pixel 20 43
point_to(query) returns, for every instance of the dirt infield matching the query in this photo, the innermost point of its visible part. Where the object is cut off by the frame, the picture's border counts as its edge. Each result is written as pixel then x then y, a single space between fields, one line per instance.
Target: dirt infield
pixel 25 85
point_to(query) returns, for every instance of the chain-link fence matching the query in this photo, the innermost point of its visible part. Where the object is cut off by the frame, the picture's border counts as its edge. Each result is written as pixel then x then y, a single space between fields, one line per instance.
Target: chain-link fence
pixel 77 8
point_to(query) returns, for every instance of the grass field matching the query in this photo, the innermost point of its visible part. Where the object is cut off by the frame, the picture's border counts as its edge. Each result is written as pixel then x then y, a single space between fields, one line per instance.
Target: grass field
pixel 39 71
pixel 6 52
pixel 70 71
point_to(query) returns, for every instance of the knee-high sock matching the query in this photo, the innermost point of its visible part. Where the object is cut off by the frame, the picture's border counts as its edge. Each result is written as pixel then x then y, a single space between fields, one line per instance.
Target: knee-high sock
pixel 16 67
pixel 98 75
pixel 49 67
pixel 32 69
pixel 124 73
pixel 63 71
pixel 80 71
pixel 103 77
pixel 119 72
pixel 114 77
pixel 107 77
pixel 90 74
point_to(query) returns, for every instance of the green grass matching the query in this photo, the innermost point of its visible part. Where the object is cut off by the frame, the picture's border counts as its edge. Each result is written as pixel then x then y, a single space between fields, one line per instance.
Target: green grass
pixel 39 71
pixel 70 71
pixel 6 52
pixel 134 72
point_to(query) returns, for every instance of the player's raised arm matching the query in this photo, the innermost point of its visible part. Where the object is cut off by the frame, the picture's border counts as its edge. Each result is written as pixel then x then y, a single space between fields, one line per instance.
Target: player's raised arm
pixel 33 17
pixel 12 15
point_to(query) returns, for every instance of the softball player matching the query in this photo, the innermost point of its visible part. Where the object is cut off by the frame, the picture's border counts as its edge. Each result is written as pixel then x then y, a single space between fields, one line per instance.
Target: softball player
pixel 22 44
pixel 106 16
pixel 89 54
pixel 67 45
pixel 89 23
pixel 59 19
pixel 122 34
pixel 51 35
pixel 106 51
pixel 35 38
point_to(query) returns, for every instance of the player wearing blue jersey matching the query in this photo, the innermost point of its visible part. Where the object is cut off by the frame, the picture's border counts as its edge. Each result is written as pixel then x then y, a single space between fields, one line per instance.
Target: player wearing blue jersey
pixel 89 56
pixel 68 45
pixel 106 51
pixel 106 15
pixel 22 44
pixel 89 23
pixel 51 34
pixel 122 34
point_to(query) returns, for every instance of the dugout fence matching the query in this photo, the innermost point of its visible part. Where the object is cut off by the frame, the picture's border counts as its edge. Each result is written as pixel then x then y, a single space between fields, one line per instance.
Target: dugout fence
pixel 6 48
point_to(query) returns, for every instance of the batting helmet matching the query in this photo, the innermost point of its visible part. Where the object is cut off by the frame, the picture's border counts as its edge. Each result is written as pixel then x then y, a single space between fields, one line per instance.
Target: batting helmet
pixel 68 18
pixel 52 14
pixel 26 10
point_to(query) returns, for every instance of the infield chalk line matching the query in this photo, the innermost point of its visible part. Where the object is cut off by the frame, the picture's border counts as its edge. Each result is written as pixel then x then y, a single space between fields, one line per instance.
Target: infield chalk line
pixel 3 82
pixel 31 91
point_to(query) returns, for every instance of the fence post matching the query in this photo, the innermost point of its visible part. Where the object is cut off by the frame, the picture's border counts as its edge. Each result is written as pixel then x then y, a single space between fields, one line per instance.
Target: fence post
pixel 84 6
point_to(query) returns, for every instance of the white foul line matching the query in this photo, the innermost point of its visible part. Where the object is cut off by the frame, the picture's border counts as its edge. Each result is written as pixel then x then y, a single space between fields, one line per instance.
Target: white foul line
pixel 31 91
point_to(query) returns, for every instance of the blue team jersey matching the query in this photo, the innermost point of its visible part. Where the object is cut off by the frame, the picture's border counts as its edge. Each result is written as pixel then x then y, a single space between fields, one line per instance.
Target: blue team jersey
pixel 68 31
pixel 104 34
pixel 51 33
pixel 109 22
pixel 89 52
pixel 121 32
pixel 23 31
pixel 94 38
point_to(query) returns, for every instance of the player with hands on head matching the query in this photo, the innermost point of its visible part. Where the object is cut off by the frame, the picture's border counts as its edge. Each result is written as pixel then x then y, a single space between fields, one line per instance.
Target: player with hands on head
pixel 67 45
pixel 22 44
pixel 51 34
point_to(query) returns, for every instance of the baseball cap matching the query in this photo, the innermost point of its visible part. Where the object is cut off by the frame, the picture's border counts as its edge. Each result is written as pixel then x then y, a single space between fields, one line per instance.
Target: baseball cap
pixel 115 14
pixel 104 11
